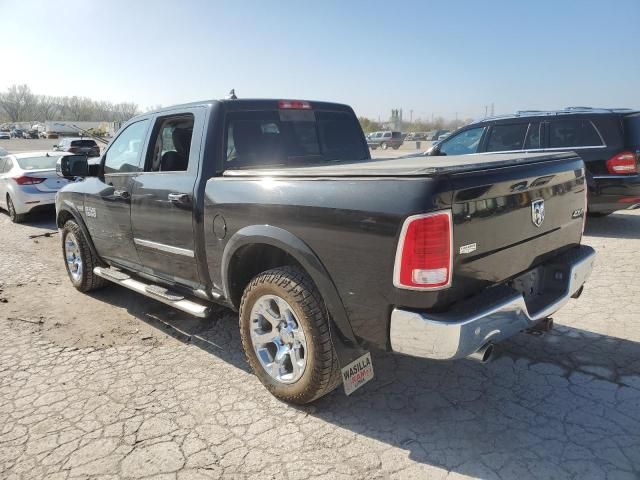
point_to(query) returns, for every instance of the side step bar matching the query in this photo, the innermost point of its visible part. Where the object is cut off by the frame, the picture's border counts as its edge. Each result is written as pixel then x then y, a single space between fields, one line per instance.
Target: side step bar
pixel 156 292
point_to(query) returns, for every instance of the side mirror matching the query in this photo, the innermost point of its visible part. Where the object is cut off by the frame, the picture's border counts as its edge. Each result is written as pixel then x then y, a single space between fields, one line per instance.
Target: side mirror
pixel 71 166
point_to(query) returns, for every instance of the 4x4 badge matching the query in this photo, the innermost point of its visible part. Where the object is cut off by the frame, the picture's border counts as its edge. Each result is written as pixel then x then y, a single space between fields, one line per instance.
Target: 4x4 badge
pixel 537 212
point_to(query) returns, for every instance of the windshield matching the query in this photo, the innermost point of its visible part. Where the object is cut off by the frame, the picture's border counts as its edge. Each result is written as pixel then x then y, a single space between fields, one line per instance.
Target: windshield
pixel 632 130
pixel 293 137
pixel 38 163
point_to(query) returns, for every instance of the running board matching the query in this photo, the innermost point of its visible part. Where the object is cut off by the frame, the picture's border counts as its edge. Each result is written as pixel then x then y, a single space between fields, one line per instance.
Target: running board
pixel 156 292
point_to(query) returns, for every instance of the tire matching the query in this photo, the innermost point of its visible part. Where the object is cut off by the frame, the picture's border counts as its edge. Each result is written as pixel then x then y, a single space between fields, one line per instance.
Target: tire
pixel 15 217
pixel 74 243
pixel 396 147
pixel 320 374
pixel 384 145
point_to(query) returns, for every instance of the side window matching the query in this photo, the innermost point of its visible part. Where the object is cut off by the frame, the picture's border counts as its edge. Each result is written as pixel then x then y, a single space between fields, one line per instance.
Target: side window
pixel 462 143
pixel 387 135
pixel 123 155
pixel 508 137
pixel 2 164
pixel 573 133
pixel 533 137
pixel 170 144
pixel 7 166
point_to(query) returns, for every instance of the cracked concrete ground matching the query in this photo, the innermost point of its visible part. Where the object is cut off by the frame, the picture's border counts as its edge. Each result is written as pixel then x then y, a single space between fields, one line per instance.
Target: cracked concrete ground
pixel 113 385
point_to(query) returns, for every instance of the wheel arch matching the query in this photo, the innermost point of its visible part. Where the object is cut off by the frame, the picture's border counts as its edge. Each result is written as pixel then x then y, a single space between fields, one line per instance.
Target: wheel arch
pixel 276 245
pixel 65 214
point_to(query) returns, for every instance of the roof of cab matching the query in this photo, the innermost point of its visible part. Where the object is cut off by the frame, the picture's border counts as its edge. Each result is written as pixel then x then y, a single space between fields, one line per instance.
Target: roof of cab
pixel 252 104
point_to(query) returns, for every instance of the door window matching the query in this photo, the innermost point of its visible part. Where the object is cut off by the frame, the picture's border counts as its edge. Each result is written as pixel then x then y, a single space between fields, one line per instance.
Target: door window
pixel 463 143
pixel 573 133
pixel 171 141
pixel 123 155
pixel 533 137
pixel 508 137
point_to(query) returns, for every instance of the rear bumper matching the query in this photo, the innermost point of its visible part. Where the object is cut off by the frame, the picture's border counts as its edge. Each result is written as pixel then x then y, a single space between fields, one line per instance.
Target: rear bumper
pixel 615 192
pixel 493 316
pixel 27 199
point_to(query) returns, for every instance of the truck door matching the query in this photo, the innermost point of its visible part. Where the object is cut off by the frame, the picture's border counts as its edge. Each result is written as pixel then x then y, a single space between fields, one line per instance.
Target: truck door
pixel 107 211
pixel 162 208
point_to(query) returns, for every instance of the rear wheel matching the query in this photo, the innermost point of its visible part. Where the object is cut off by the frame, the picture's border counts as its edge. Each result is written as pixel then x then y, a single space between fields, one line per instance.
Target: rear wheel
pixel 285 335
pixel 79 259
pixel 15 217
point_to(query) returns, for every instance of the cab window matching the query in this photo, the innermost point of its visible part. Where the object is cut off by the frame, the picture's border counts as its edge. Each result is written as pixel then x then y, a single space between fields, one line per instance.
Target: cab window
pixel 123 155
pixel 170 144
pixel 463 143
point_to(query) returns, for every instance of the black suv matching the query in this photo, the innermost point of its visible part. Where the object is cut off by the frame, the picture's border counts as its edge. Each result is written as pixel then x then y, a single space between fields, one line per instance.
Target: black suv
pixel 608 140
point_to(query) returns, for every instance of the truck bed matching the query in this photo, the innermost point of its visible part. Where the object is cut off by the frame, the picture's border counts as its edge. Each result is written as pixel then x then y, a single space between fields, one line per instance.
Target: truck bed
pixel 418 165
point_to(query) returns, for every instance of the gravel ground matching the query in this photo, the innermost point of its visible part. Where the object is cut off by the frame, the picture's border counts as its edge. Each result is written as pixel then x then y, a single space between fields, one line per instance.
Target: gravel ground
pixel 114 385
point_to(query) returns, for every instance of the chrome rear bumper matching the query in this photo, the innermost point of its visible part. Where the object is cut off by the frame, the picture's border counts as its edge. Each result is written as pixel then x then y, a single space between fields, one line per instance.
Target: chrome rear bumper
pixel 494 315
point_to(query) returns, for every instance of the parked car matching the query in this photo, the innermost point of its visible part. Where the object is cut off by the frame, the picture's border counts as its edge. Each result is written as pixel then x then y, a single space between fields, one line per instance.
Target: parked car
pixel 3 152
pixel 385 140
pixel 85 146
pixel 415 136
pixel 5 136
pixel 31 134
pixel 608 140
pixel 219 202
pixel 28 182
pixel 443 136
pixel 17 133
pixel 434 135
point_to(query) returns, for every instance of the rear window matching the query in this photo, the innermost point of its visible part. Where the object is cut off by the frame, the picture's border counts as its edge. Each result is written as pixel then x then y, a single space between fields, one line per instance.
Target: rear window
pixel 83 143
pixel 573 133
pixel 292 137
pixel 37 163
pixel 503 138
pixel 632 130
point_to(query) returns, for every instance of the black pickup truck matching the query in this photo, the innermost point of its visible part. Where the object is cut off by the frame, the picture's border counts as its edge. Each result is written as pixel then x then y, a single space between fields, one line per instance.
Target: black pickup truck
pixel 274 208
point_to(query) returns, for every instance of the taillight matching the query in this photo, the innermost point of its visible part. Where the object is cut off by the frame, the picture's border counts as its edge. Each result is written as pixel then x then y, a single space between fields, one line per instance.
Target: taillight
pixel 425 253
pixel 623 162
pixel 293 105
pixel 24 180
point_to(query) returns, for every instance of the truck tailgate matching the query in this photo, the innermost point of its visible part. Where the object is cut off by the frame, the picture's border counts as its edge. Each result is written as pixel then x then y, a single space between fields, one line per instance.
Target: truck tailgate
pixel 510 219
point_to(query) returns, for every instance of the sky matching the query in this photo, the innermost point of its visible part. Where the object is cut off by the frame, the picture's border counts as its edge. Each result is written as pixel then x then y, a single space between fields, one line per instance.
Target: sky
pixel 441 58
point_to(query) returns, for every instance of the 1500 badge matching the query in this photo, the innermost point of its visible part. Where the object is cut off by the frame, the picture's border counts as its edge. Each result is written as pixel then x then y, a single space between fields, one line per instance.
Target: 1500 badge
pixel 90 212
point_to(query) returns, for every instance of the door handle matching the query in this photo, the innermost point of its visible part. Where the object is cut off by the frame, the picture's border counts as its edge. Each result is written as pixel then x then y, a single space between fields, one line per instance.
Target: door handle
pixel 182 198
pixel 121 194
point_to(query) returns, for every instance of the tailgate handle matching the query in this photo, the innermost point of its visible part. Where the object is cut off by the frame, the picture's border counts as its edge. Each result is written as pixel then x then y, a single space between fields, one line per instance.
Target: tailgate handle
pixel 182 198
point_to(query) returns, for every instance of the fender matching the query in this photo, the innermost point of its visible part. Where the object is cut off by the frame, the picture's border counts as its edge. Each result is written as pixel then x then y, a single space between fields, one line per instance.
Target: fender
pixel 344 340
pixel 69 207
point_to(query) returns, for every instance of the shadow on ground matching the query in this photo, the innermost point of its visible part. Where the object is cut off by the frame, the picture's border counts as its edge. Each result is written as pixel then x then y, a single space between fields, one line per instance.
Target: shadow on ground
pixel 562 405
pixel 616 225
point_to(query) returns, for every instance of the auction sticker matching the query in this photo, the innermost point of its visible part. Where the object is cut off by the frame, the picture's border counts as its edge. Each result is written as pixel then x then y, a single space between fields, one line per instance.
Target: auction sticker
pixel 357 373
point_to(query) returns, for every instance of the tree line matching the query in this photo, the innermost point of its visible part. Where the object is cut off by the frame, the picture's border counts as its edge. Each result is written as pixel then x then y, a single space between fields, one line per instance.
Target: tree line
pixel 437 123
pixel 19 104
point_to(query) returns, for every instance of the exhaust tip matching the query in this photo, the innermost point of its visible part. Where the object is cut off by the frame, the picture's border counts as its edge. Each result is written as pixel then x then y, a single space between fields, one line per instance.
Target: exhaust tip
pixel 483 354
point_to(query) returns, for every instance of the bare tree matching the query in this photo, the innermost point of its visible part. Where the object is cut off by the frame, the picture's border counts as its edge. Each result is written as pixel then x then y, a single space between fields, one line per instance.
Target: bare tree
pixel 47 108
pixel 18 103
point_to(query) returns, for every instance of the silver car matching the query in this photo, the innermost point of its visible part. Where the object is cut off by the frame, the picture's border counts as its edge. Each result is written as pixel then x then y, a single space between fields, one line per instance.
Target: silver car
pixel 28 182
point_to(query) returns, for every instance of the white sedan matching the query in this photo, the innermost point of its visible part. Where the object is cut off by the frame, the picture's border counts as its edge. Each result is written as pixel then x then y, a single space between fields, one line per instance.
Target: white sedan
pixel 28 182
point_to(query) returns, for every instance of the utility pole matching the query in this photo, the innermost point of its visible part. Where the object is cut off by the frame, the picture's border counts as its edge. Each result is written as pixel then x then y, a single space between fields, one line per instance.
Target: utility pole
pixel 456 118
pixel 485 111
pixel 492 109
pixel 410 116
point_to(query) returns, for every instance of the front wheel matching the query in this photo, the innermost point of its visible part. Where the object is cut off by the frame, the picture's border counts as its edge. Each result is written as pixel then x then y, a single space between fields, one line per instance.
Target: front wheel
pixel 285 335
pixel 79 259
pixel 384 145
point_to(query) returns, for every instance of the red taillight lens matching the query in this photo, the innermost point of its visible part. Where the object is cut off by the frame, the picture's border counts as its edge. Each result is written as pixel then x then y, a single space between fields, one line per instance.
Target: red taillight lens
pixel 623 162
pixel 293 105
pixel 24 180
pixel 424 256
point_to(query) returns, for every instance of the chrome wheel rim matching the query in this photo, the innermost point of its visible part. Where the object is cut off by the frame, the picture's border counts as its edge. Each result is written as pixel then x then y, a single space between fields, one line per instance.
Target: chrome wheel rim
pixel 278 339
pixel 72 255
